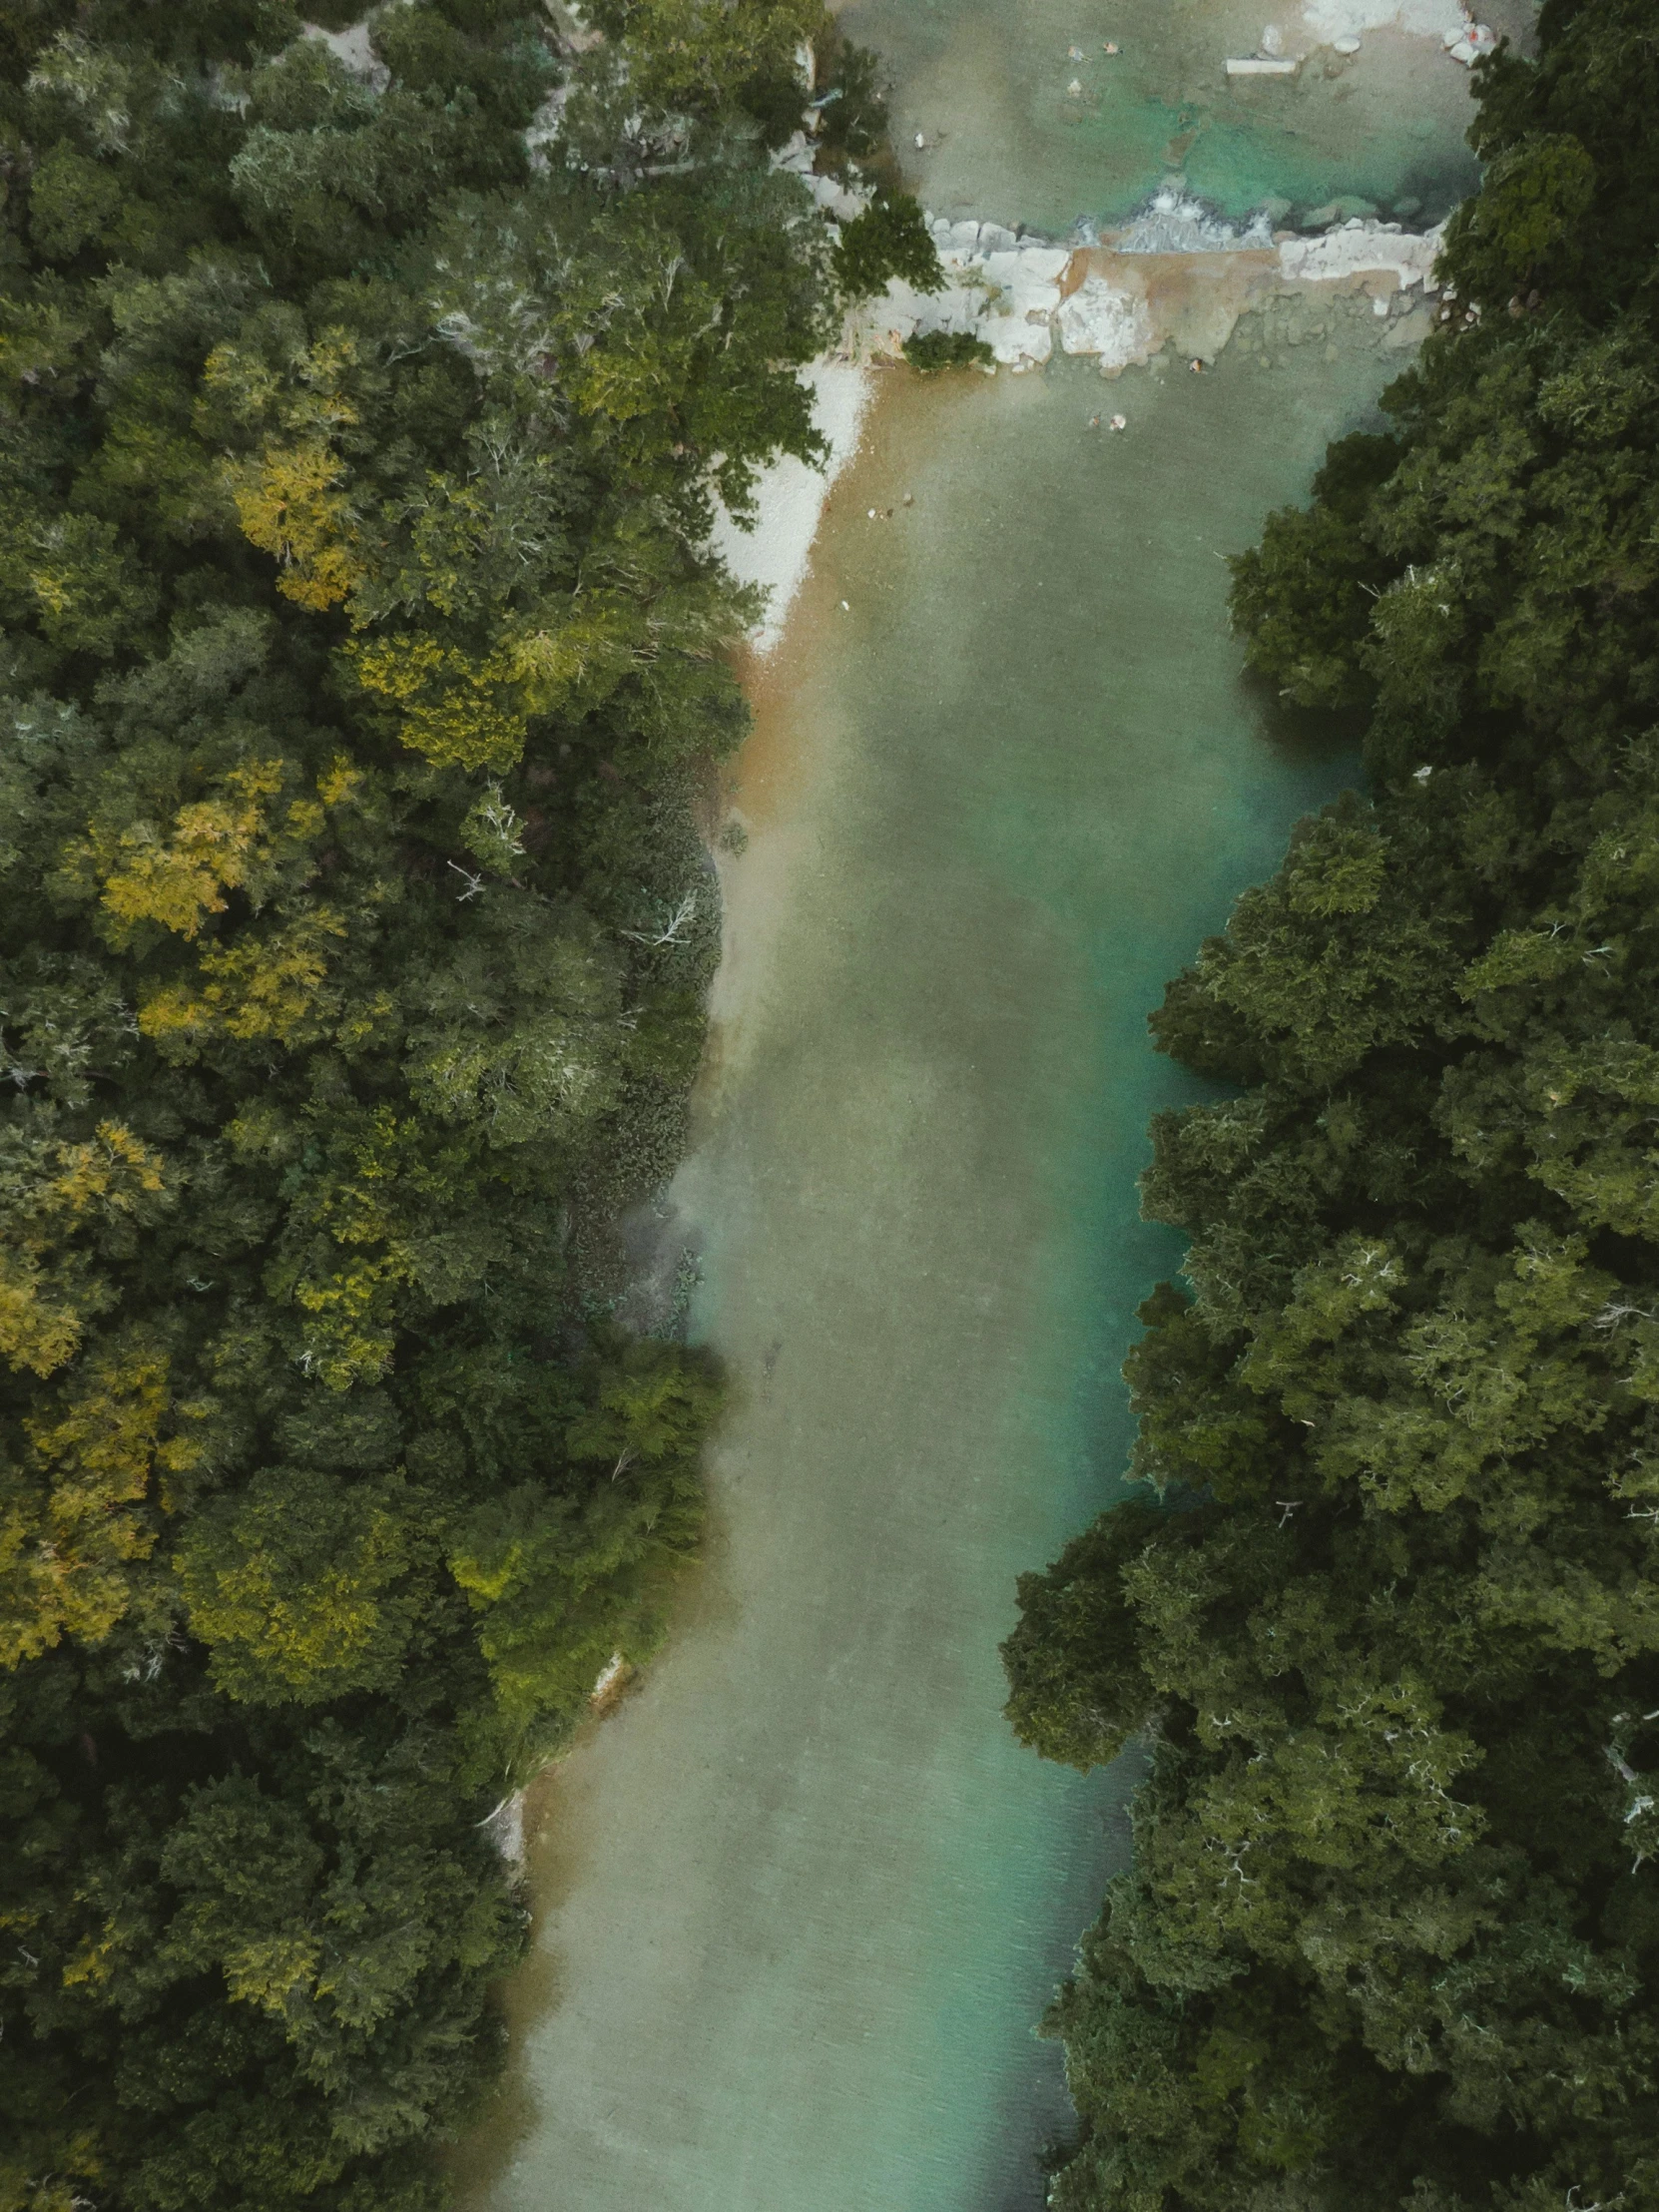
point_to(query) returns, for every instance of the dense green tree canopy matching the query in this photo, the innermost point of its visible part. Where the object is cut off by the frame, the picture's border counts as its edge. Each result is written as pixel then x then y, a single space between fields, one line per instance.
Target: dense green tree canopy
pixel 358 650
pixel 1387 1615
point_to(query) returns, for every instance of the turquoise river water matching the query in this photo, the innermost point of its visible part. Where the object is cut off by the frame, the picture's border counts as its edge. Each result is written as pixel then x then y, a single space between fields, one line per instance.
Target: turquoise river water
pixel 801 1900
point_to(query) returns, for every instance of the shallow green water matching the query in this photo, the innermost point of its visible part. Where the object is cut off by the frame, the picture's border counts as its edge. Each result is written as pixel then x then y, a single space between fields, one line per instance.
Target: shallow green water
pixel 803 1898
pixel 986 84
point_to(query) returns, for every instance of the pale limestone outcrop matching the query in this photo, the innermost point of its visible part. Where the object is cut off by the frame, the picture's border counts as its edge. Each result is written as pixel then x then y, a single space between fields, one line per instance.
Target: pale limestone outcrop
pixel 1098 318
pixel 1005 296
pixel 1362 249
pixel 1016 293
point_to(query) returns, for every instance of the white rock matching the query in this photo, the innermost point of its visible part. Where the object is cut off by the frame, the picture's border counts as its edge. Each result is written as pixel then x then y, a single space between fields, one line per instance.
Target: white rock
pixel 1098 319
pixel 1348 45
pixel 880 326
pixel 964 237
pixel 1273 40
pixel 1023 293
pixel 796 156
pixel 354 50
pixel 993 239
pixel 1046 263
pixel 505 1826
pixel 1253 65
pixel 957 308
pixel 903 300
pixel 1035 347
pixel 1353 253
pixel 1330 19
pixel 1015 343
pixel 837 198
pixel 1463 52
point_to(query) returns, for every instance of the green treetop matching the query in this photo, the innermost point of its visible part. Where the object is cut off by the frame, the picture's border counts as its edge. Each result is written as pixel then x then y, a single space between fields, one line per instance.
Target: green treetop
pixel 1386 1624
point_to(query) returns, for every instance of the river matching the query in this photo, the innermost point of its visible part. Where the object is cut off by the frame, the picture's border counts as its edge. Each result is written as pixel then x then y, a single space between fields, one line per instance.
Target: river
pixel 802 1898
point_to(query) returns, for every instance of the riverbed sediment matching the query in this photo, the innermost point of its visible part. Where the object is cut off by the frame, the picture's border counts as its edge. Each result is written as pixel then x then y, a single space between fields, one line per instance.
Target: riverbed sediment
pixel 1170 287
pixel 801 1900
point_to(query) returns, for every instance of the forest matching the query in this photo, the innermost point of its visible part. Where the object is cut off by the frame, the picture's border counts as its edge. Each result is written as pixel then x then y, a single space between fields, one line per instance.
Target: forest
pixel 1380 1612
pixel 362 664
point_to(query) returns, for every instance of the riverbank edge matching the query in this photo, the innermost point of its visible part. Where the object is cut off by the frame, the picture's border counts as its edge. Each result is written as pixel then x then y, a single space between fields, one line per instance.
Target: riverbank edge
pixel 1124 303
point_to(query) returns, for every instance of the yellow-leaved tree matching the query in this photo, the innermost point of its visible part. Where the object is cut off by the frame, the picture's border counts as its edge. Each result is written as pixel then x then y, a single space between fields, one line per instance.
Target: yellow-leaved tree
pixel 289 493
pixel 78 1511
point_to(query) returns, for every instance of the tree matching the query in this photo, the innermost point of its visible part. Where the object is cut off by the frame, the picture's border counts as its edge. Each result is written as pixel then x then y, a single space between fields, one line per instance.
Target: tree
pixel 889 239
pixel 363 653
pixel 1387 1641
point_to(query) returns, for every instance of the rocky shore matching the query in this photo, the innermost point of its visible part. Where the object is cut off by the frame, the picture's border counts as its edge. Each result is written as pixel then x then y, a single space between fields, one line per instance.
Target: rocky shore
pixel 1174 274
pixel 1177 283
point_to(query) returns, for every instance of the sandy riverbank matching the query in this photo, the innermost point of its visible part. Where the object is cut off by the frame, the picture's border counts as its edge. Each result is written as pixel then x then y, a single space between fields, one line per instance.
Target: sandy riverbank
pixel 1121 304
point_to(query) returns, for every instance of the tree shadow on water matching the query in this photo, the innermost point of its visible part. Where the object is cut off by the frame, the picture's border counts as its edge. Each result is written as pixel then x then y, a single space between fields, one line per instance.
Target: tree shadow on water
pixel 1307 739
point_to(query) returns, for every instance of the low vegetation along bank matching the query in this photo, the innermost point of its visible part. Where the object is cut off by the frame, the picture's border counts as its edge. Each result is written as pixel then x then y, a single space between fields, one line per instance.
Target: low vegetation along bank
pixel 360 420
pixel 1386 1611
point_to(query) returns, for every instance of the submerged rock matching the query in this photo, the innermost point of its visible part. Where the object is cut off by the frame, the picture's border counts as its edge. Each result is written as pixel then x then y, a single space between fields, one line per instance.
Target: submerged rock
pixel 1015 343
pixel 1116 326
pixel 1342 210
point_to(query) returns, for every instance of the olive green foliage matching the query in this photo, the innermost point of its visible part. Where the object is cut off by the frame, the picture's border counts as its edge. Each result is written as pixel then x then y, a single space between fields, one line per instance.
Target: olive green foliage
pixel 851 105
pixel 1304 597
pixel 357 657
pixel 698 57
pixel 933 350
pixel 1389 1631
pixel 889 239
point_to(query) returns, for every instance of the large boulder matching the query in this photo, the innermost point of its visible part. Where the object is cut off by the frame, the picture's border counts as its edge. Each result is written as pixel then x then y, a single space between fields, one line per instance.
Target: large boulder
pixel 1098 318
pixel 1361 249
pixel 1015 343
pixel 1028 278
